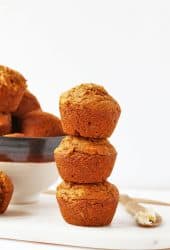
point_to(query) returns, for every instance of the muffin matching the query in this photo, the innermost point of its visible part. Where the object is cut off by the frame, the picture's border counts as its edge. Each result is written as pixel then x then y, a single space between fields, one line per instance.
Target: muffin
pixel 87 204
pixel 5 123
pixel 40 124
pixel 89 111
pixel 6 191
pixel 28 103
pixel 85 160
pixel 12 88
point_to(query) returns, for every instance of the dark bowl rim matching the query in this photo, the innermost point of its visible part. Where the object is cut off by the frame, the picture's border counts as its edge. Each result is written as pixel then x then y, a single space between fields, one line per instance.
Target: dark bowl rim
pixel 30 138
pixel 28 149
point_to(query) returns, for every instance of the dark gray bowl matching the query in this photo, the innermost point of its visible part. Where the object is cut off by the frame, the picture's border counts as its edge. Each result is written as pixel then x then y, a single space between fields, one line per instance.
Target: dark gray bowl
pixel 27 149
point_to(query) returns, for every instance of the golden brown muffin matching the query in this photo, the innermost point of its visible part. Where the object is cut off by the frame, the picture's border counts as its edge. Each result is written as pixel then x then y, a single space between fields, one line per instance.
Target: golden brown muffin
pixel 89 111
pixel 12 88
pixel 5 123
pixel 85 160
pixel 28 104
pixel 41 124
pixel 87 204
pixel 6 191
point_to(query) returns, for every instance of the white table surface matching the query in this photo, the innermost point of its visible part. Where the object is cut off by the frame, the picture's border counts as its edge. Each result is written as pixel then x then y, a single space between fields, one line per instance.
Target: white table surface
pixel 17 245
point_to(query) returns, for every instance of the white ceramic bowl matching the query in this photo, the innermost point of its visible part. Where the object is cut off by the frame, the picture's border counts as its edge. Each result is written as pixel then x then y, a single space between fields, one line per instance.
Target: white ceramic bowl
pixel 29 179
pixel 29 162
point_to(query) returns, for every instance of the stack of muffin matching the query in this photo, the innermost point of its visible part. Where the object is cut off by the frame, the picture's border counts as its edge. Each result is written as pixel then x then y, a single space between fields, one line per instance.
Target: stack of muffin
pixel 85 158
pixel 20 111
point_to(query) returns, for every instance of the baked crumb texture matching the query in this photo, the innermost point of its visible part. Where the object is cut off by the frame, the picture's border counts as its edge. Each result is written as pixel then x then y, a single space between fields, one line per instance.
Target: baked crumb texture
pixel 89 111
pixel 83 160
pixel 6 191
pixel 88 204
pixel 12 88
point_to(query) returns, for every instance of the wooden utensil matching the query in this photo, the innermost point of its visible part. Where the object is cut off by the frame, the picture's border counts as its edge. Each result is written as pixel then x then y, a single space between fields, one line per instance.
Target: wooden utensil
pixel 143 216
pixel 152 202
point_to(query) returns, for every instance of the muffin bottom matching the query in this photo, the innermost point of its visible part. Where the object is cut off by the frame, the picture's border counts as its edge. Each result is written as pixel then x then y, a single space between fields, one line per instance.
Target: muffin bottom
pixel 88 212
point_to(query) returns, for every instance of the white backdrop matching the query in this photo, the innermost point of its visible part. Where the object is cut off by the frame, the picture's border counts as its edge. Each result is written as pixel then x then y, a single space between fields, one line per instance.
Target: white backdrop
pixel 123 45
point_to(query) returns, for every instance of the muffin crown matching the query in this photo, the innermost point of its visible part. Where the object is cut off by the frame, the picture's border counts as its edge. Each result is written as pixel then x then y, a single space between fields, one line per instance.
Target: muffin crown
pixel 100 191
pixel 11 79
pixel 86 93
pixel 91 146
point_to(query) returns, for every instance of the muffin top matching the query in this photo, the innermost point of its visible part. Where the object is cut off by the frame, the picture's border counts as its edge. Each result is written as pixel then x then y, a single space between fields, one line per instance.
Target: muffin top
pixel 72 191
pixel 71 144
pixel 85 94
pixel 11 79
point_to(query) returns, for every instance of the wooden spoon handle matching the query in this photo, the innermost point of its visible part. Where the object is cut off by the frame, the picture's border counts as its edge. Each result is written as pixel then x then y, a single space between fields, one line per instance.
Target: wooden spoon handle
pixel 131 206
pixel 152 202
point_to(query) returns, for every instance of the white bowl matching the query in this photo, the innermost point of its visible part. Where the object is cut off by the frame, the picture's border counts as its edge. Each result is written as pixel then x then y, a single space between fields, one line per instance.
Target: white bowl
pixel 29 162
pixel 29 179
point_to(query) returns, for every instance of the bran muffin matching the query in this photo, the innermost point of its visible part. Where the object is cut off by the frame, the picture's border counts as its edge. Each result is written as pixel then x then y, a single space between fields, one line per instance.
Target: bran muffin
pixel 89 111
pixel 6 191
pixel 28 104
pixel 5 123
pixel 87 204
pixel 83 160
pixel 40 124
pixel 12 88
